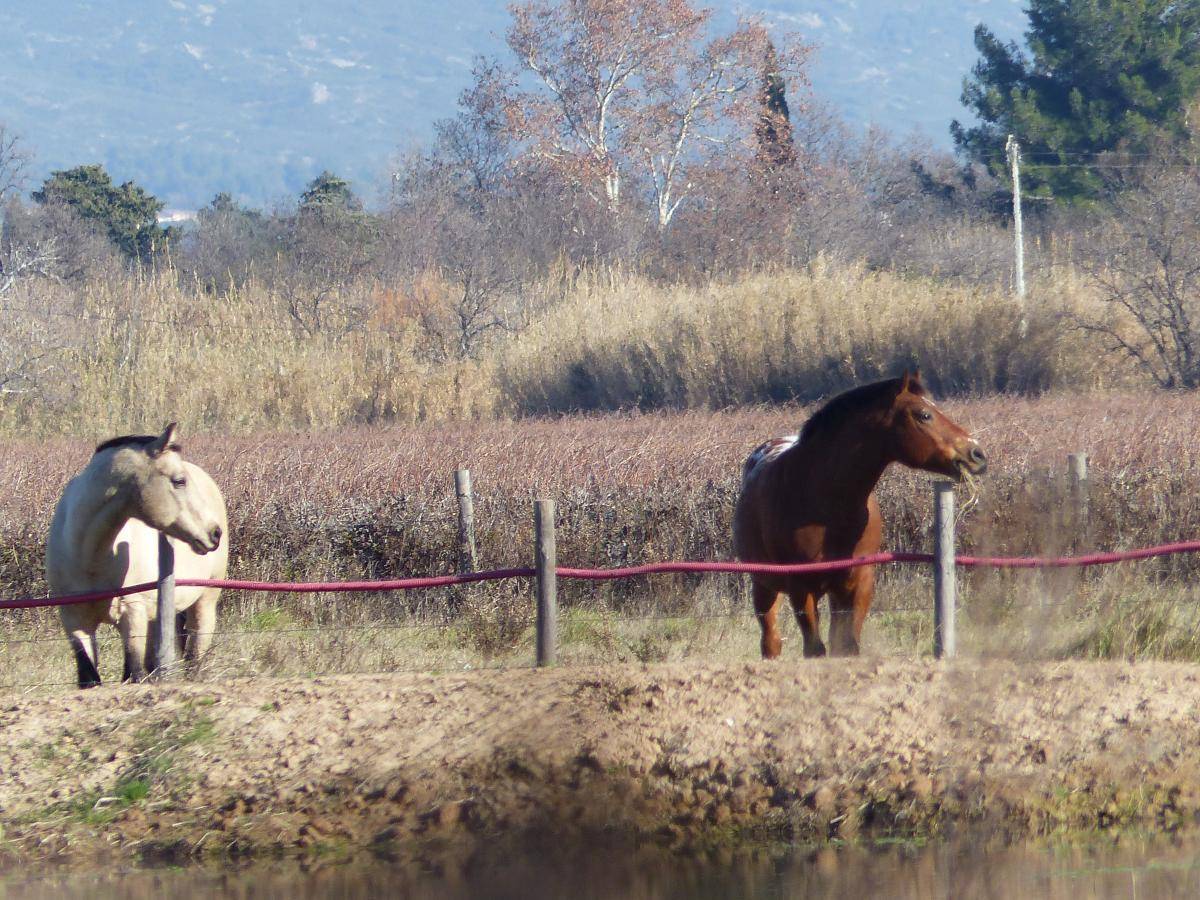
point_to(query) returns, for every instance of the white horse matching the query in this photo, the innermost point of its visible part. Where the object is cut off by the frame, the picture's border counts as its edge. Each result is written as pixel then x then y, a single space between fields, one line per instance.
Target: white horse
pixel 105 535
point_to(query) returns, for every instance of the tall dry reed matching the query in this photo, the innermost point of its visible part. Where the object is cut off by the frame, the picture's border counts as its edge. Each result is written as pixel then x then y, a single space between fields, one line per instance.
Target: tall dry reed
pixel 141 349
pixel 794 335
pixel 133 351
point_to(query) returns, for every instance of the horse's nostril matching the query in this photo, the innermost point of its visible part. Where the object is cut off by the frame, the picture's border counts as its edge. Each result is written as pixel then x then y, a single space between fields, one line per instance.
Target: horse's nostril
pixel 977 455
pixel 215 535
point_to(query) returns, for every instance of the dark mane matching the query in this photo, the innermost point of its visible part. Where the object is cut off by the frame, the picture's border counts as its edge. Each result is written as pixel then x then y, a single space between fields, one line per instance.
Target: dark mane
pixel 853 401
pixel 132 440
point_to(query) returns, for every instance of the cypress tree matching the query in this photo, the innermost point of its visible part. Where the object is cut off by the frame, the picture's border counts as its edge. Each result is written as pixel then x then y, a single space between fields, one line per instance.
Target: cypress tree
pixel 774 128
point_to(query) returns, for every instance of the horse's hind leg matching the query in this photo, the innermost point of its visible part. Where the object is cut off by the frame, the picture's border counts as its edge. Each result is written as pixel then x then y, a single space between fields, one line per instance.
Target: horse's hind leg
pixel 766 608
pixel 181 633
pixel 201 622
pixel 804 604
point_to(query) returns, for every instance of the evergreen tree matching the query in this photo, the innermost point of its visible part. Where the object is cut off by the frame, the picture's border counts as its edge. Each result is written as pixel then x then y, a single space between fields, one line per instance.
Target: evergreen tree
pixel 222 204
pixel 329 192
pixel 774 128
pixel 127 212
pixel 1102 75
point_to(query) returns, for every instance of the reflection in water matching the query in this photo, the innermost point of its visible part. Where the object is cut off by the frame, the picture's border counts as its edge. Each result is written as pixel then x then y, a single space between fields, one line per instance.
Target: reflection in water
pixel 1131 867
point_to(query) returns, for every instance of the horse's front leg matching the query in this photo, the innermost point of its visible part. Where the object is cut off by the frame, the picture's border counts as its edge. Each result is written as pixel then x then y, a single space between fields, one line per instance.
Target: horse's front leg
pixel 766 608
pixel 849 606
pixel 80 624
pixel 181 631
pixel 87 663
pixel 808 617
pixel 135 631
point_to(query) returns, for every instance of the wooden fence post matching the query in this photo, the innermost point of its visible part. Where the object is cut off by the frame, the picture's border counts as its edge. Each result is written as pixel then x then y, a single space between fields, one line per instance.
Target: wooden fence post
pixel 547 582
pixel 1077 469
pixel 467 560
pixel 164 632
pixel 944 578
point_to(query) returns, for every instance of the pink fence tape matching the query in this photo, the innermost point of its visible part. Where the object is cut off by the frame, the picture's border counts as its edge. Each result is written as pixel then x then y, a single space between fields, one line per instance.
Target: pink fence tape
pixel 663 568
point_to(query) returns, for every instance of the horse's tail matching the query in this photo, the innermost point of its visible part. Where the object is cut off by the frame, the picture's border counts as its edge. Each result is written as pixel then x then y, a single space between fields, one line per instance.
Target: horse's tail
pixel 764 452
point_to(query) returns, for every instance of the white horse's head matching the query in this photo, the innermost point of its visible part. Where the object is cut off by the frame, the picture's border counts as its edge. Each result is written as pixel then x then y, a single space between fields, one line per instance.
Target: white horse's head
pixel 165 496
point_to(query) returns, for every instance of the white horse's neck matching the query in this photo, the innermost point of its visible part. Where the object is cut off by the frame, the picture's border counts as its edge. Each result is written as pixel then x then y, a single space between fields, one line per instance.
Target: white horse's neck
pixel 102 507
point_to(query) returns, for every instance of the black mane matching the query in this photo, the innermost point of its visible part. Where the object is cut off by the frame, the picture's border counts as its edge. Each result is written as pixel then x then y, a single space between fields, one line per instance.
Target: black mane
pixel 132 440
pixel 856 400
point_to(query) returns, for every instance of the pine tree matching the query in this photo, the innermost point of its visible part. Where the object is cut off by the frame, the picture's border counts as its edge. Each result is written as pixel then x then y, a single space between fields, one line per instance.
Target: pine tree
pixel 1102 75
pixel 329 192
pixel 127 212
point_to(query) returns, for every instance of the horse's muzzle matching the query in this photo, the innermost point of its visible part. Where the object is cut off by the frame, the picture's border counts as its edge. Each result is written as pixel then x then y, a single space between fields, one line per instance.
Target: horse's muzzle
pixel 211 543
pixel 974 461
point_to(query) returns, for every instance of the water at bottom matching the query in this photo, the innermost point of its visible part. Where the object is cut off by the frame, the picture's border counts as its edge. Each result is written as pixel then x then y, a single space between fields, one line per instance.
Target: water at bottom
pixel 1133 867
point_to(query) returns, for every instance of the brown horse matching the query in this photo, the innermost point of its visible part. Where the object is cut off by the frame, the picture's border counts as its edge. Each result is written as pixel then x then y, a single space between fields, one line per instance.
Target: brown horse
pixel 811 497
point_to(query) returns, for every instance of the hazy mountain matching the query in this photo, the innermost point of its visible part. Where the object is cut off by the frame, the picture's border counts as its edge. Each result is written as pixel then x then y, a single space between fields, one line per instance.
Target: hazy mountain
pixel 255 97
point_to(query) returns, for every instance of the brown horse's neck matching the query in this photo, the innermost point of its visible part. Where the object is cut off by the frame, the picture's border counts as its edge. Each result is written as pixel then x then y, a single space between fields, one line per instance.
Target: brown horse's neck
pixel 842 465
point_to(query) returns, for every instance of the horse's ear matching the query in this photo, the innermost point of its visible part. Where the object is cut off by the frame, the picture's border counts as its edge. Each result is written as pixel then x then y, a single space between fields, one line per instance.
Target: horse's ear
pixel 165 441
pixel 911 381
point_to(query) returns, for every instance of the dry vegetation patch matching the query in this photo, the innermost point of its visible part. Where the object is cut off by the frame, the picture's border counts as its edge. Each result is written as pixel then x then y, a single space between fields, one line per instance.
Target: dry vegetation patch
pixel 634 488
pixel 127 352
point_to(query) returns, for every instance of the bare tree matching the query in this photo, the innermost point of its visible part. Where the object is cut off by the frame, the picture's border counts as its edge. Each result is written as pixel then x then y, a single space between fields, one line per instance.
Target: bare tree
pixel 1144 260
pixel 465 258
pixel 588 56
pixel 630 89
pixel 324 252
pixel 708 112
pixel 19 260
pixel 80 248
pixel 228 244
pixel 14 160
pixel 27 347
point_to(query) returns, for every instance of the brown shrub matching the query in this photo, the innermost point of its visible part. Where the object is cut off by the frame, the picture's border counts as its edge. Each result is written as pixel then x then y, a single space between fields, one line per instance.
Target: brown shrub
pixel 630 488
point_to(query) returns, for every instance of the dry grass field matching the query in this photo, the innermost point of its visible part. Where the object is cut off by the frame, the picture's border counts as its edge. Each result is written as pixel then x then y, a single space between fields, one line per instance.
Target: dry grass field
pixel 632 488
pixel 336 446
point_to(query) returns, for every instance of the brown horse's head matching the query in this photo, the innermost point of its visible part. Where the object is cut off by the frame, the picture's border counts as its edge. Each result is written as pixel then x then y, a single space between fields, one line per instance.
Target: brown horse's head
pixel 926 438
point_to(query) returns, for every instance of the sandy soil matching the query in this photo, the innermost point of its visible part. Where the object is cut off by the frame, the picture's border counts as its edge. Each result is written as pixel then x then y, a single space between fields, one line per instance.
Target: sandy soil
pixel 681 755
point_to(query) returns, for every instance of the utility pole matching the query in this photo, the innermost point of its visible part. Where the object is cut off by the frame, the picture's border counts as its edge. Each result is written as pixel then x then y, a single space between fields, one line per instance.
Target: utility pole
pixel 1013 150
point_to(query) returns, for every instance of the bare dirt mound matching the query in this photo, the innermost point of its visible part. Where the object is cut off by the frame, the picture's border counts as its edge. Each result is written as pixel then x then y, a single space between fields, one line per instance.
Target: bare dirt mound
pixel 680 754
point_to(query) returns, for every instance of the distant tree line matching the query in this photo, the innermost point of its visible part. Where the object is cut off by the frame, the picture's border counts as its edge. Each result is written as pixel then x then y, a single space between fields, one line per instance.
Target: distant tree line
pixel 628 133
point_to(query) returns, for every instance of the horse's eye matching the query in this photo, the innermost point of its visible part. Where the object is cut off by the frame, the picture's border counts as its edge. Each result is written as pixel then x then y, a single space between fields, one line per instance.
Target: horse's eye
pixel 179 481
pixel 924 415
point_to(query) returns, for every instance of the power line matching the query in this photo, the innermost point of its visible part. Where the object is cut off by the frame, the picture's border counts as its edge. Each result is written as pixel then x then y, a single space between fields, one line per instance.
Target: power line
pixel 1119 166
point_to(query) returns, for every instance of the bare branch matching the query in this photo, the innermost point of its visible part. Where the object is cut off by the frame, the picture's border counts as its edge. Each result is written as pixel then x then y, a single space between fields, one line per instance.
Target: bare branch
pixel 14 162
pixel 1145 262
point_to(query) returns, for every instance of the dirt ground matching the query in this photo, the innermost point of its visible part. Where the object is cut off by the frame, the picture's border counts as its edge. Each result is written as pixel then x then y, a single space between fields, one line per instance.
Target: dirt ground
pixel 682 755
